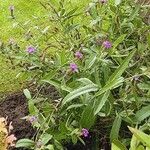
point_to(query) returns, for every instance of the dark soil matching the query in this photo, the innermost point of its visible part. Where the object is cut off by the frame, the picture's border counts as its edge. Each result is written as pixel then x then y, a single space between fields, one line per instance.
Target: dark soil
pixel 15 107
pixel 49 92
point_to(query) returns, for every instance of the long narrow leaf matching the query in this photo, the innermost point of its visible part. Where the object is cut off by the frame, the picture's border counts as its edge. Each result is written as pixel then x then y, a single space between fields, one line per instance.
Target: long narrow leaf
pixel 115 128
pixel 85 81
pixel 144 138
pixel 110 85
pixel 53 82
pixel 117 145
pixel 117 42
pixel 143 113
pixel 88 117
pixel 25 143
pixel 122 67
pixel 80 91
pixel 101 102
pixel 134 143
pixel 114 77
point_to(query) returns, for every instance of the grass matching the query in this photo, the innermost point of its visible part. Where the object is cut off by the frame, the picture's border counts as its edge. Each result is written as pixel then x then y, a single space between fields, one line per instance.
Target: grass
pixel 24 11
pixel 11 29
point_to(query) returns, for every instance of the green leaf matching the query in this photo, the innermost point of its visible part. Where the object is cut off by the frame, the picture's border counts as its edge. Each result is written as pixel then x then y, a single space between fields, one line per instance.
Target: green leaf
pixel 88 117
pixel 140 147
pixel 111 85
pixel 46 138
pixel 122 67
pixel 51 74
pixel 27 93
pixel 71 28
pixel 143 113
pixel 32 109
pixel 90 62
pixel 144 86
pixel 71 12
pixel 80 91
pixel 147 148
pixel 58 145
pixel 49 147
pixel 75 106
pixel 141 136
pixel 66 88
pixel 134 13
pixel 85 81
pixel 114 147
pixel 74 139
pixel 101 102
pixel 116 75
pixel 117 145
pixel 26 143
pixel 117 42
pixel 53 82
pixel 115 128
pixel 134 143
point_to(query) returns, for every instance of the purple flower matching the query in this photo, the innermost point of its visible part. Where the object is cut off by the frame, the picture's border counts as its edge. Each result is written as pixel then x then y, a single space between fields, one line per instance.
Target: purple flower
pixel 78 55
pixel 32 119
pixel 107 44
pixel 85 132
pixel 103 1
pixel 31 49
pixel 73 67
pixel 11 8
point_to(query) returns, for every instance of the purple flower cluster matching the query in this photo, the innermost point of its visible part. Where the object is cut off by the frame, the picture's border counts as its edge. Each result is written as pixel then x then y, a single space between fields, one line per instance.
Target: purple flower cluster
pixel 85 132
pixel 31 49
pixel 78 55
pixel 107 44
pixel 73 67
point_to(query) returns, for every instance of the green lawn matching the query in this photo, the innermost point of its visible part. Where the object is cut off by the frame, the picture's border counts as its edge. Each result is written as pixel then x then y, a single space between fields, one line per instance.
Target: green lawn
pixel 25 11
pixel 28 12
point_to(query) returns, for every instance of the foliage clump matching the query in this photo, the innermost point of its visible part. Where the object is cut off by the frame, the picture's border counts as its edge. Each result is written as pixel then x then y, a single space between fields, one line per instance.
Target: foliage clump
pixel 99 66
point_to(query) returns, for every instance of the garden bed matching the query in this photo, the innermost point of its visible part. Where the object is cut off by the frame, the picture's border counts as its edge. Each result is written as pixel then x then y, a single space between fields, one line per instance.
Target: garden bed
pixel 15 107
